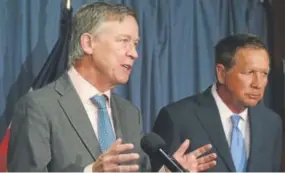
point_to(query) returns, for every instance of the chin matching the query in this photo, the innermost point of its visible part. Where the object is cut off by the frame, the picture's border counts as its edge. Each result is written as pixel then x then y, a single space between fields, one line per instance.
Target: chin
pixel 123 81
pixel 251 103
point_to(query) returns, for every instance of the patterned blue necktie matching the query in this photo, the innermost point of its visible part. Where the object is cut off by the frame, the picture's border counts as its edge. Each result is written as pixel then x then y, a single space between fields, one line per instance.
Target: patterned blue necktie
pixel 238 151
pixel 106 137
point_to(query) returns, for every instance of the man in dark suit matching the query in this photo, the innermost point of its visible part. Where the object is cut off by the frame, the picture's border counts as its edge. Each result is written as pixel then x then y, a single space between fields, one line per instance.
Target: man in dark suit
pixel 230 115
pixel 76 123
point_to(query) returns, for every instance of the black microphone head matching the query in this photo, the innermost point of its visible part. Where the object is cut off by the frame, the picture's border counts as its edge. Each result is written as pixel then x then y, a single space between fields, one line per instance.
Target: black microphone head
pixel 151 143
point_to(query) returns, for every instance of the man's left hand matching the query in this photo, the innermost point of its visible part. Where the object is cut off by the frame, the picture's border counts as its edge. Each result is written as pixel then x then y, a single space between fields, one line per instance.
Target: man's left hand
pixel 194 161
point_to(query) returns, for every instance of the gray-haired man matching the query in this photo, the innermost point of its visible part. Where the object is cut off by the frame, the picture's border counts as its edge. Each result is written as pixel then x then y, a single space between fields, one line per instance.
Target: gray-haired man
pixel 76 123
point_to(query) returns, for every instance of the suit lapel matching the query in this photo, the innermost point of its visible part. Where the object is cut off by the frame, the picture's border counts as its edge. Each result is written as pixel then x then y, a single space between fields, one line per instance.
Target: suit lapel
pixel 210 119
pixel 256 129
pixel 76 114
pixel 116 117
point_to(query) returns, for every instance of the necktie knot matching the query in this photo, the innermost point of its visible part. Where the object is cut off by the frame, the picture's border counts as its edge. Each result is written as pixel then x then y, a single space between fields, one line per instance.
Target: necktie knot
pixel 235 120
pixel 99 100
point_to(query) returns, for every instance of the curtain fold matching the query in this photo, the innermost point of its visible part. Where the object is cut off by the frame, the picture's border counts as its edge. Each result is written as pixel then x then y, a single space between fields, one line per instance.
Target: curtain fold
pixel 176 56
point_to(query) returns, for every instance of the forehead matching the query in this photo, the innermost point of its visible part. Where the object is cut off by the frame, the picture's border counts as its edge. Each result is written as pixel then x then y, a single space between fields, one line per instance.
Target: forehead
pixel 127 26
pixel 252 57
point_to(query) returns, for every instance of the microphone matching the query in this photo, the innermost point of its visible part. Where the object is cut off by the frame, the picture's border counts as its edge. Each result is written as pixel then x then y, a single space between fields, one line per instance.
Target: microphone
pixel 154 146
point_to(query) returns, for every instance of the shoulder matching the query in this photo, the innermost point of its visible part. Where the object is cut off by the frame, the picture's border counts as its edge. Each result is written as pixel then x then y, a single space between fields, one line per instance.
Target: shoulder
pixel 38 104
pixel 182 110
pixel 35 108
pixel 43 95
pixel 269 115
pixel 185 104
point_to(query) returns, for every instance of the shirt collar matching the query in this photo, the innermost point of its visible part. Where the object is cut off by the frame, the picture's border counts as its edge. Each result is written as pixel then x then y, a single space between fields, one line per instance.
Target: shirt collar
pixel 223 107
pixel 85 90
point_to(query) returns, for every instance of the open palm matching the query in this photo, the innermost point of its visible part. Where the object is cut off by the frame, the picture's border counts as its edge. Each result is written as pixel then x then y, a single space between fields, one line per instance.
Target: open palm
pixel 194 161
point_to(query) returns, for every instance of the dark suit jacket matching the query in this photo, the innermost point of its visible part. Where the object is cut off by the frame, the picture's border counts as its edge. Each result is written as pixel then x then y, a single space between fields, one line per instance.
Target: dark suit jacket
pixel 197 118
pixel 51 131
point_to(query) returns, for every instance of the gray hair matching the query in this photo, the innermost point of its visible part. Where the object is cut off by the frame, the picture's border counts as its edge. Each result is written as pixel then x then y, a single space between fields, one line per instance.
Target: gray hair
pixel 88 19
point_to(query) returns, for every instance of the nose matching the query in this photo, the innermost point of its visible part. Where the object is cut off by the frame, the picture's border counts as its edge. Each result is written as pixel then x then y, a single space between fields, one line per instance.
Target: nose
pixel 258 80
pixel 132 53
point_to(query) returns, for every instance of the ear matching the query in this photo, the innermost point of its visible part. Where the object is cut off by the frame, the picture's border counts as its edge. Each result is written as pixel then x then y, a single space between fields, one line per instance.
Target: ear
pixel 86 43
pixel 221 73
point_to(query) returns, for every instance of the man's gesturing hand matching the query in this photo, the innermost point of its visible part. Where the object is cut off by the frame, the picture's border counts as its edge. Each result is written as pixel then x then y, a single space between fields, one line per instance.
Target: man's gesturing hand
pixel 194 161
pixel 110 160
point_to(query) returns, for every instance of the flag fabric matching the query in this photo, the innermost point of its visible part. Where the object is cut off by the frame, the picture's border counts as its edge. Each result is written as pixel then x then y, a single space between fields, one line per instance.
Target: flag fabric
pixel 3 151
pixel 57 61
pixel 55 65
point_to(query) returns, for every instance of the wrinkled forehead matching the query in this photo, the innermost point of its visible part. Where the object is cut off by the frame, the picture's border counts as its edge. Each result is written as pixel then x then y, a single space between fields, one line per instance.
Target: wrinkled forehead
pixel 128 26
pixel 252 57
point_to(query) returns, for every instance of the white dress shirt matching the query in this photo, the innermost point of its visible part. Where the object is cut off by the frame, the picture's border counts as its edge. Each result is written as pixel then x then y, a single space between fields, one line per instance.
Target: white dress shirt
pixel 86 91
pixel 225 116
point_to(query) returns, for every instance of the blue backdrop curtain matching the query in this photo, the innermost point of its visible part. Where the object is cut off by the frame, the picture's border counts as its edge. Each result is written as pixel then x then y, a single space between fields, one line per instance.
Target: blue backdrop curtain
pixel 176 48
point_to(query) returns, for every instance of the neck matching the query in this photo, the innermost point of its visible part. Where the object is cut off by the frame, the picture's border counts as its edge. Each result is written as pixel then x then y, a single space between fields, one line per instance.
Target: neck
pixel 225 95
pixel 93 76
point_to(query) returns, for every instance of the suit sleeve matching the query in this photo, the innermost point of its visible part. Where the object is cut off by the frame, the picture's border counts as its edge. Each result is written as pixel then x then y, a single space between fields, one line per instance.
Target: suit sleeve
pixel 145 161
pixel 29 146
pixel 165 127
pixel 277 155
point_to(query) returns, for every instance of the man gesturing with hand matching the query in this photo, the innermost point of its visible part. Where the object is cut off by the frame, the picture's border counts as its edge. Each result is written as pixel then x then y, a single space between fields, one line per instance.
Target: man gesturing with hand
pixel 73 123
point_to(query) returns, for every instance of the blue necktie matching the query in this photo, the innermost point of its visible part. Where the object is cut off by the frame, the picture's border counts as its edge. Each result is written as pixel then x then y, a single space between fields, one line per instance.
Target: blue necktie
pixel 238 151
pixel 106 137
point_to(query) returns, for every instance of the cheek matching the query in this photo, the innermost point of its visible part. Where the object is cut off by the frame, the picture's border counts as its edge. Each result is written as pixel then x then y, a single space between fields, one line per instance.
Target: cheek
pixel 238 84
pixel 117 51
pixel 263 86
pixel 114 59
pixel 265 81
pixel 244 81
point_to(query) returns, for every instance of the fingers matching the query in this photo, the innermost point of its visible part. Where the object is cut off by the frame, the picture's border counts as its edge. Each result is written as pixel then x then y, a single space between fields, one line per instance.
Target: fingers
pixel 111 163
pixel 206 162
pixel 117 142
pixel 110 160
pixel 207 158
pixel 205 166
pixel 182 149
pixel 113 153
pixel 124 158
pixel 117 147
pixel 202 150
pixel 121 168
pixel 126 168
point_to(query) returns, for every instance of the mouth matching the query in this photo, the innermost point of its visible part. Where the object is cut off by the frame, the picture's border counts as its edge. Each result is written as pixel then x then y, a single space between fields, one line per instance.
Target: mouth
pixel 254 96
pixel 126 66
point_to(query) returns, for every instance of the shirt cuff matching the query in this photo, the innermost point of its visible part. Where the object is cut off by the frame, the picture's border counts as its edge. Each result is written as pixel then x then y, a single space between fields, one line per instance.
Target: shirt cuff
pixel 163 169
pixel 88 168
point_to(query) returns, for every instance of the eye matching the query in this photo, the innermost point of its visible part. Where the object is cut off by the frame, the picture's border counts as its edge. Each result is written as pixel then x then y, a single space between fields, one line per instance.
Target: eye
pixel 248 72
pixel 265 73
pixel 136 43
pixel 125 40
